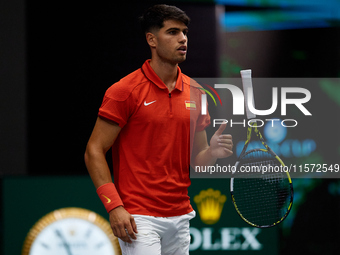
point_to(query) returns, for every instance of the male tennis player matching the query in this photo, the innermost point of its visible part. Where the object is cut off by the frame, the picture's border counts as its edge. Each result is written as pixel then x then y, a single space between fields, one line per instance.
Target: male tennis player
pixel 151 118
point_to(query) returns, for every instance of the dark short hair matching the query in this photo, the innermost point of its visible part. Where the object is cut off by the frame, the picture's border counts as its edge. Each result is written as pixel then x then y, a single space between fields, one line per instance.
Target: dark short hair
pixel 154 17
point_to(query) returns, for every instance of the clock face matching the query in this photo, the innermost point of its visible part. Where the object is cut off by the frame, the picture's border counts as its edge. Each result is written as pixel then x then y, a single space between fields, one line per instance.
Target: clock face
pixel 71 231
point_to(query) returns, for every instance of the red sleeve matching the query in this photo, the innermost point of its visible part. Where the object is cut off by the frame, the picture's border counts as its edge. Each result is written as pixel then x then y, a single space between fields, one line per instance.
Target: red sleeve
pixel 116 108
pixel 203 122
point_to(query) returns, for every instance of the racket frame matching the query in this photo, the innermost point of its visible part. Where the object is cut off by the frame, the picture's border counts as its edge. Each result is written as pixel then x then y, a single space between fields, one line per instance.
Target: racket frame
pixel 252 126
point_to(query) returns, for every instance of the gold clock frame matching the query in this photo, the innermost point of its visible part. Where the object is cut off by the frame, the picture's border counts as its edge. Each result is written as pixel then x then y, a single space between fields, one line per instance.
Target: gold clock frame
pixel 70 212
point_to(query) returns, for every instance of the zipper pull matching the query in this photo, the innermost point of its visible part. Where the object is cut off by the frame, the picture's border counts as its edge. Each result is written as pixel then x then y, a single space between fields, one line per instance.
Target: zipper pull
pixel 169 95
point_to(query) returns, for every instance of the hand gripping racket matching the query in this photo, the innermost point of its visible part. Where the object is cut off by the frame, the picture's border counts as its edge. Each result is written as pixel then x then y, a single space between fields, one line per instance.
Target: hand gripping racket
pixel 261 191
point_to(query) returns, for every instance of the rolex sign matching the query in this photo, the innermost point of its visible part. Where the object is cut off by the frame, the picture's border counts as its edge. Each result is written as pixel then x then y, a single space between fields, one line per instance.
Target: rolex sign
pixel 217 227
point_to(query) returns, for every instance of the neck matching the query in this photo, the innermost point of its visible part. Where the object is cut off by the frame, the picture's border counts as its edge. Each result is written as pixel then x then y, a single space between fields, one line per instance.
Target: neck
pixel 167 72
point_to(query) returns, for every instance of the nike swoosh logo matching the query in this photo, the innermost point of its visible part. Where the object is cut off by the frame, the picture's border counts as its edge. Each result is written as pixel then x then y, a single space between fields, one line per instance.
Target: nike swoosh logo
pixel 146 104
pixel 108 199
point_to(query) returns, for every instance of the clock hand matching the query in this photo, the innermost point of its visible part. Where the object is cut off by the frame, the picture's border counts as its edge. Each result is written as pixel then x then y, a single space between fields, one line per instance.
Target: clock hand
pixel 66 245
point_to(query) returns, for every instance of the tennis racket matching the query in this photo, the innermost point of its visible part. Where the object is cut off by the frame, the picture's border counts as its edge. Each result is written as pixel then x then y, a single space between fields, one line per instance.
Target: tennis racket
pixel 261 191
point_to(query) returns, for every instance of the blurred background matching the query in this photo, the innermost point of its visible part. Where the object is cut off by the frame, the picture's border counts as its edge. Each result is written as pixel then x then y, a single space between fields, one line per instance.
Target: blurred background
pixel 58 58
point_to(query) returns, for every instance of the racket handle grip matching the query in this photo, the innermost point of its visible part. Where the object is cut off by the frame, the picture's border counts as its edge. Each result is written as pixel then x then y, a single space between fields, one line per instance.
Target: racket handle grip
pixel 248 88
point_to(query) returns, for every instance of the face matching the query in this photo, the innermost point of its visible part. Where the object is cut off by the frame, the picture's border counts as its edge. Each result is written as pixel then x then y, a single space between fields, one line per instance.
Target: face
pixel 170 42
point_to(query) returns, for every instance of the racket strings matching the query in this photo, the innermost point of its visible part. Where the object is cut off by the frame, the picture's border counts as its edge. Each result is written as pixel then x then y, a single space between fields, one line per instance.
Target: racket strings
pixel 263 198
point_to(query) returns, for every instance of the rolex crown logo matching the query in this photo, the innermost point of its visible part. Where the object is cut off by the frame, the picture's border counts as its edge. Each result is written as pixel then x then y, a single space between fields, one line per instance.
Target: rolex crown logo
pixel 210 204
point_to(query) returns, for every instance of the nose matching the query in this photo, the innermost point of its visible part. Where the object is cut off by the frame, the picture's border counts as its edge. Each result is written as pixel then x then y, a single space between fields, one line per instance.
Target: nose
pixel 183 38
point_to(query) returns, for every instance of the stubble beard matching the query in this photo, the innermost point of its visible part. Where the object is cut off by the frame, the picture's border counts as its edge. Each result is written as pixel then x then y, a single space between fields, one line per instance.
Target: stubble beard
pixel 172 58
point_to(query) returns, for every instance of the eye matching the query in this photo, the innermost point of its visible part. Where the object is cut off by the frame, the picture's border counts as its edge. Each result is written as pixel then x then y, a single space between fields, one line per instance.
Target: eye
pixel 172 32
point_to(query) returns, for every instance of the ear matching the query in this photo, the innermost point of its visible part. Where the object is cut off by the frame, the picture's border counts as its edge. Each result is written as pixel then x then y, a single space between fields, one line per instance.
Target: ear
pixel 151 39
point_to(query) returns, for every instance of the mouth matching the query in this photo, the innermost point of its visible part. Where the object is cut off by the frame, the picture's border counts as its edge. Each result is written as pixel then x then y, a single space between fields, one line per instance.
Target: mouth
pixel 182 49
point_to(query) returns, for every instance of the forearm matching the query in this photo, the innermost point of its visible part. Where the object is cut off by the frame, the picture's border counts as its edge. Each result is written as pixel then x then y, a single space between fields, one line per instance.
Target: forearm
pixel 204 158
pixel 101 177
pixel 97 167
pixel 220 147
pixel 122 223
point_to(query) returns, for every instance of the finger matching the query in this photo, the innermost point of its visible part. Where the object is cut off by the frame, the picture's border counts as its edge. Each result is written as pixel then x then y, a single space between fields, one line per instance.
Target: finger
pixel 123 235
pixel 227 141
pixel 228 152
pixel 130 231
pixel 134 225
pixel 226 145
pixel 115 232
pixel 226 148
pixel 126 238
pixel 221 129
pixel 225 136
